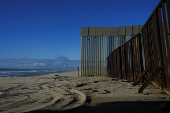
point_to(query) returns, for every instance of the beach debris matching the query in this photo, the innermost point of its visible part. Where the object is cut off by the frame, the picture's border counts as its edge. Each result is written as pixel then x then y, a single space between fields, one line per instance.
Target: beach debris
pixel 96 81
pixel 95 90
pixel 56 75
pixel 80 85
pixel 32 99
pixel 29 96
pixel 72 93
pixel 40 87
pixel 126 81
pixel 88 89
pixel 162 97
pixel 146 93
pixel 69 88
pixel 66 94
pixel 3 93
pixel 88 100
pixel 77 97
pixel 116 79
pixel 106 91
pixel 60 79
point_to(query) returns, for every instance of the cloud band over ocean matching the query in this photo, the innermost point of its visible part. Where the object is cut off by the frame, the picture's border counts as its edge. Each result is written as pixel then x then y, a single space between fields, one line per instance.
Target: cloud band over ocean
pixel 59 63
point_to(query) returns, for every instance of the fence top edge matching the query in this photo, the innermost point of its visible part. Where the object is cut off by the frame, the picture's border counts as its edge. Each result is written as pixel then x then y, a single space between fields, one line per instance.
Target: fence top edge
pixel 159 5
pixel 138 34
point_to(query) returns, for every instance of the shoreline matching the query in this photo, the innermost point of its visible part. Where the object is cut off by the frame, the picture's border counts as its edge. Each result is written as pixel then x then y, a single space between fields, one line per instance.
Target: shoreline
pixel 68 91
pixel 34 74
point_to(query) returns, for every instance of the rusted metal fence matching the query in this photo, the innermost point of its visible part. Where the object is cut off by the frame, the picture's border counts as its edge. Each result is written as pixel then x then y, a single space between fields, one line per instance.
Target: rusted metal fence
pixel 146 58
pixel 156 39
pixel 126 62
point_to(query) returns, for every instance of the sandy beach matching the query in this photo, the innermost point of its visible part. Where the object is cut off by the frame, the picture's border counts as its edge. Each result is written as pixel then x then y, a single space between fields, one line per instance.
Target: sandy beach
pixel 66 92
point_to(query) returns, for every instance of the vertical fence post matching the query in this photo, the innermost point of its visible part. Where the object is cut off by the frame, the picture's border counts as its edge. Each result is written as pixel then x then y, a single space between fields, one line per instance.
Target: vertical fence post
pixel 140 61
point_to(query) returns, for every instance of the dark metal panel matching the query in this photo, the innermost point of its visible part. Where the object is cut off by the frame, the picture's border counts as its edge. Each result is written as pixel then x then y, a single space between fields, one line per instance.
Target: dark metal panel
pixel 119 63
pixel 154 51
pixel 108 66
pixel 106 31
pixel 146 39
pixel 131 54
pixel 123 62
pixel 128 30
pixel 99 31
pixel 140 61
pixel 121 31
pixel 136 29
pixel 92 31
pixel 126 61
pixel 113 31
pixel 168 12
pixel 167 45
pixel 150 47
pixel 111 65
pixel 84 31
pixel 163 48
pixel 115 64
pixel 134 59
pixel 158 43
pixel 166 37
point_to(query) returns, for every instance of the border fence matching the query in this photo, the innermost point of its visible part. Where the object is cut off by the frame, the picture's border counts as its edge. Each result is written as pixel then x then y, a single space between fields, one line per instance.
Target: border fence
pixel 98 42
pixel 146 59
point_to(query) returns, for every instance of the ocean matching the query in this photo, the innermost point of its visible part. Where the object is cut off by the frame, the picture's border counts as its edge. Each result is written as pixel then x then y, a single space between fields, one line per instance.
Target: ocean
pixel 30 72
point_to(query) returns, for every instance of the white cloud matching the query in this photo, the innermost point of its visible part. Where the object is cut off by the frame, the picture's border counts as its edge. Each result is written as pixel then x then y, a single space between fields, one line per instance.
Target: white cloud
pixel 39 64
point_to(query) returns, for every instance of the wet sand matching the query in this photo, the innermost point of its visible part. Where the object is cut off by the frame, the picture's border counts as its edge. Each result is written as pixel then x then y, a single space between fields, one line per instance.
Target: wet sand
pixel 69 93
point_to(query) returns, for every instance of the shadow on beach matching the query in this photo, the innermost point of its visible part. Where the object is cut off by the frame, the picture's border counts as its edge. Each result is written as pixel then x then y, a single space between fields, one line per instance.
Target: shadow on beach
pixel 118 107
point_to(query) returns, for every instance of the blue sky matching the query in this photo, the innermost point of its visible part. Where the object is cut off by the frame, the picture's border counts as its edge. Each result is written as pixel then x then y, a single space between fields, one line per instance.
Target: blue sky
pixel 34 31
